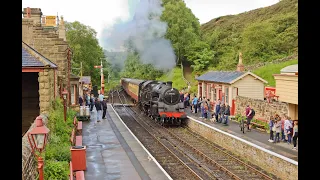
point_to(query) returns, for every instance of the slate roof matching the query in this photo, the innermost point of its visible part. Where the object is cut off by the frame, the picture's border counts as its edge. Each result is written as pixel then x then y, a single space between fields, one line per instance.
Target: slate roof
pixel 30 60
pixel 220 76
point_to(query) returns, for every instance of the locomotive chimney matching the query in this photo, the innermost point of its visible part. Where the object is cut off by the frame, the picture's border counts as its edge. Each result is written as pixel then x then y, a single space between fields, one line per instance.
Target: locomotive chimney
pixel 169 83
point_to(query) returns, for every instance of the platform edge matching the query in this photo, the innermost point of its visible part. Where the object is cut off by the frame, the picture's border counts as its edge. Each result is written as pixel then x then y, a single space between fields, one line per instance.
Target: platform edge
pixel 247 142
pixel 153 159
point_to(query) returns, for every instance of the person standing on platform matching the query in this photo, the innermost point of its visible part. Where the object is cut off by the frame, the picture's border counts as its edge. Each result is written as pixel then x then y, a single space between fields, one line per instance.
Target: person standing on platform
pixel 277 128
pixel 80 101
pixel 295 134
pixel 271 124
pixel 92 102
pixel 226 114
pixel 217 109
pixel 101 96
pixel 98 106
pixel 195 104
pixel 287 128
pixel 104 108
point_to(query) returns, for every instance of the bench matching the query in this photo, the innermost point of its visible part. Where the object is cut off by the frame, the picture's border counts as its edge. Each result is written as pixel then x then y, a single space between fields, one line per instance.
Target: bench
pixel 79 128
pixel 73 134
pixel 79 175
pixel 259 125
pixel 78 140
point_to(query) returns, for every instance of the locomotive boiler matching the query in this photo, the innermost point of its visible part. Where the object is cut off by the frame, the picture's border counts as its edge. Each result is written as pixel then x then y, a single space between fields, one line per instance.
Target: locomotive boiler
pixel 157 99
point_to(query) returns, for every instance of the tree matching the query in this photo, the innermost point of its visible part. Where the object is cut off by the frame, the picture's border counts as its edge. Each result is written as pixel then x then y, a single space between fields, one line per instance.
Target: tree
pixel 183 27
pixel 133 68
pixel 258 41
pixel 200 54
pixel 86 49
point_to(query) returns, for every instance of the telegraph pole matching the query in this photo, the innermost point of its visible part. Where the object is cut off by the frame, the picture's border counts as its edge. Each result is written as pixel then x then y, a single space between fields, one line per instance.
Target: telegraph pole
pixel 102 78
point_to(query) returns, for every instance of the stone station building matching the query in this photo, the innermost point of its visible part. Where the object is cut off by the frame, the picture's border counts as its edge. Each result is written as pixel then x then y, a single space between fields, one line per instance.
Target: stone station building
pixel 227 85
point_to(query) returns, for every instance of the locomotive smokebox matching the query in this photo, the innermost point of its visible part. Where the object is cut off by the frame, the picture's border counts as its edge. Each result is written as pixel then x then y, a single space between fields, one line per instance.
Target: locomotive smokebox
pixel 169 83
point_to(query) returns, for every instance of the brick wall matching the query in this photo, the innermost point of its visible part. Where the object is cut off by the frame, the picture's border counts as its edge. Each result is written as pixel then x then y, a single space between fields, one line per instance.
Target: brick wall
pixel 29 164
pixel 262 108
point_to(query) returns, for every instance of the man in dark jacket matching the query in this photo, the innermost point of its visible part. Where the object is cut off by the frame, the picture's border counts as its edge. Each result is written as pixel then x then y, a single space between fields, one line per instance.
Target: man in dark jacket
pixel 98 106
pixel 80 101
pixel 226 114
pixel 104 107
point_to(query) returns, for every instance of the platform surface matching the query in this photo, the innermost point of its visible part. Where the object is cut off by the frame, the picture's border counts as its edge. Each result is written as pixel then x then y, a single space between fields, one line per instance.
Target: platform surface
pixel 113 153
pixel 255 136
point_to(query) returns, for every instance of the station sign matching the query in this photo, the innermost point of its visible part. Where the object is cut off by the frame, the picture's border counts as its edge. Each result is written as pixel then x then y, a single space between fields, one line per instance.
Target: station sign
pixel 50 21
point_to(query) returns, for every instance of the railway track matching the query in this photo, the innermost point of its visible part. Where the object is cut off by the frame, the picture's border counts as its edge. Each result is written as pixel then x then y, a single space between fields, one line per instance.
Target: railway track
pixel 175 167
pixel 201 157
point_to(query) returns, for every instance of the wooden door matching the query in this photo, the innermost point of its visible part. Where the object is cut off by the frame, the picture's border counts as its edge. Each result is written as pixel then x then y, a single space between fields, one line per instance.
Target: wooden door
pixel 220 94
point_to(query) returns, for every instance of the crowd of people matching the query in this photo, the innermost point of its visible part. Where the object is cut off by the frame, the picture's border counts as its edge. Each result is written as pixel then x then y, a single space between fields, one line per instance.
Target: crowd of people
pixel 100 104
pixel 284 126
pixel 219 112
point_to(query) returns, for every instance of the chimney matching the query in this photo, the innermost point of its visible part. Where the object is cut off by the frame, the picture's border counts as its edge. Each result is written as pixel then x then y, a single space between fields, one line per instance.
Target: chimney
pixel 62 30
pixel 169 83
pixel 33 13
pixel 240 66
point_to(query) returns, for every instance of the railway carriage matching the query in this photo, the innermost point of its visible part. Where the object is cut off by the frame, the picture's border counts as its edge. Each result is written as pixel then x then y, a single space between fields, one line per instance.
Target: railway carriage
pixel 131 86
pixel 157 99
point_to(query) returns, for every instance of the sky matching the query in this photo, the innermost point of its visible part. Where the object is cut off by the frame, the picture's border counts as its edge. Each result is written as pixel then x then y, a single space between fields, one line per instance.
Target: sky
pixel 102 14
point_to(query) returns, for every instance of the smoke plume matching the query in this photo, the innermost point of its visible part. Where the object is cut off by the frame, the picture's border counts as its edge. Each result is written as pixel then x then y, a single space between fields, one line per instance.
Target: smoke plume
pixel 145 31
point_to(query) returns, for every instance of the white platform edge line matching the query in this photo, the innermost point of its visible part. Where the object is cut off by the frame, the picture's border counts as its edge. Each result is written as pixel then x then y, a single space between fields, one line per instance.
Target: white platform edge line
pixel 154 160
pixel 250 143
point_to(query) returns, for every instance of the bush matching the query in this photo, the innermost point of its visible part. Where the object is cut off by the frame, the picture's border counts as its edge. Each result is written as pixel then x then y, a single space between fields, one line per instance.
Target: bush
pixel 57 153
pixel 56 170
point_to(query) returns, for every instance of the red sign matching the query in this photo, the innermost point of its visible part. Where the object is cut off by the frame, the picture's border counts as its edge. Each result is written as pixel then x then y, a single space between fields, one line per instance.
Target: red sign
pixel 97 66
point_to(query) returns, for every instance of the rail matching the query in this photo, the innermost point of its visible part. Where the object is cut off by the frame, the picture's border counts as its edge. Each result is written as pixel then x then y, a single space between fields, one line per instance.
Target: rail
pixel 158 140
pixel 222 167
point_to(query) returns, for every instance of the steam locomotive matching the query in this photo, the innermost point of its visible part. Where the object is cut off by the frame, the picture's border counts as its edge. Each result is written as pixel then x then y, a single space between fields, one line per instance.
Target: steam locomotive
pixel 156 99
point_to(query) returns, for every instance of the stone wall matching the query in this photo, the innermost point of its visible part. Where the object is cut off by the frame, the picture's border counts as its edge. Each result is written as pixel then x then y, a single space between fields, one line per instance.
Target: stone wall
pixel 29 164
pixel 262 108
pixel 269 162
pixel 46 89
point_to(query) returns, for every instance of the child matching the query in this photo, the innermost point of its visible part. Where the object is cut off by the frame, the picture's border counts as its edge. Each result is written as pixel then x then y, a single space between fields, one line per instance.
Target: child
pixel 277 128
pixel 271 127
pixel 205 111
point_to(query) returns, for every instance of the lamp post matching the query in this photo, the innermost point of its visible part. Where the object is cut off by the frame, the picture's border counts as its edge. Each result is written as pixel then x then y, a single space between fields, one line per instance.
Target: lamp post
pixel 64 96
pixel 37 138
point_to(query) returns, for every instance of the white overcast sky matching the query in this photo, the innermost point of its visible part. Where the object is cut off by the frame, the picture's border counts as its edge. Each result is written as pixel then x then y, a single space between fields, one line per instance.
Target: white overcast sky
pixel 103 13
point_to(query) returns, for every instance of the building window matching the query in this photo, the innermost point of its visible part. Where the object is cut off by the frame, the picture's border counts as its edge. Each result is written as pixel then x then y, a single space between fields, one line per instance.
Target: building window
pixel 227 94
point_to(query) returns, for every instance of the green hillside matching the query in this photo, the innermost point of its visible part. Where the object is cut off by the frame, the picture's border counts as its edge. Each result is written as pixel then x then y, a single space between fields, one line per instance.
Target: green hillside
pixel 175 75
pixel 262 35
pixel 267 71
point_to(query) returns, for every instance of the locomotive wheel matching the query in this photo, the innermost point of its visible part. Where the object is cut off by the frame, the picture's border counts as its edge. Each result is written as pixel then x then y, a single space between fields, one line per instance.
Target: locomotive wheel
pixel 162 121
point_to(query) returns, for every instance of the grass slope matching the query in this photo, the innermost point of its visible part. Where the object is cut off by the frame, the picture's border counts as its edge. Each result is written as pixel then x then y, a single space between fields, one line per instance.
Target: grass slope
pixel 175 75
pixel 266 72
